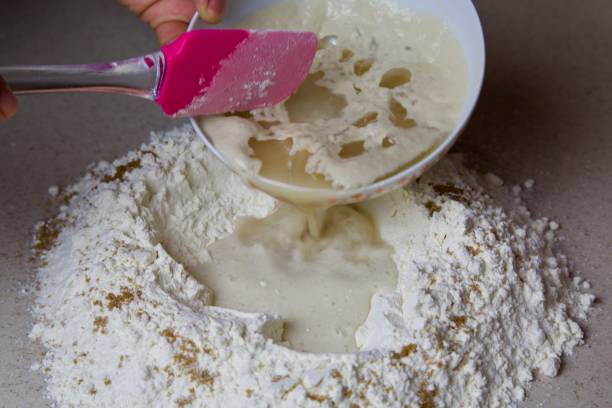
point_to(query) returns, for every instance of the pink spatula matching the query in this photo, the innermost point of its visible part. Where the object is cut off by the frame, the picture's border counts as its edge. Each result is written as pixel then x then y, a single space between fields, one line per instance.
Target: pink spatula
pixel 202 72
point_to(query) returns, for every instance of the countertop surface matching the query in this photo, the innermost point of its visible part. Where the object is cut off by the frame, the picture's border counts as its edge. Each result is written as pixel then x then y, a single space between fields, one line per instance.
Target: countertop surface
pixel 545 114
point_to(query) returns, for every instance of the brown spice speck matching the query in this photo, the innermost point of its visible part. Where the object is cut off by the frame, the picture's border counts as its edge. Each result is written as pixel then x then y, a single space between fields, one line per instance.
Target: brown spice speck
pixel 93 391
pixel 448 188
pixel 426 397
pixel 439 342
pixel 46 234
pixel 518 258
pixel 188 346
pixel 184 360
pixel 107 381
pixel 117 301
pixel 169 335
pixel 475 287
pixel 336 374
pixel 121 171
pixel 183 402
pixel 291 388
pixel 202 377
pixel 315 397
pixel 248 392
pixel 68 197
pixel 459 321
pixel 407 350
pixel 151 152
pixel 99 324
pixel 432 208
pixel 451 191
pixel 474 251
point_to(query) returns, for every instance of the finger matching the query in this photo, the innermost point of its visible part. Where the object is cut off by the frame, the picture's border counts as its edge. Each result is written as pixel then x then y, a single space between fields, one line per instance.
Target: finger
pixel 211 11
pixel 8 102
pixel 168 31
pixel 137 6
pixel 169 18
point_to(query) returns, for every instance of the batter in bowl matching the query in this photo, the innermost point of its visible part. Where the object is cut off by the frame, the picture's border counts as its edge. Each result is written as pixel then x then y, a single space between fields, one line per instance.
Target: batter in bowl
pixel 386 88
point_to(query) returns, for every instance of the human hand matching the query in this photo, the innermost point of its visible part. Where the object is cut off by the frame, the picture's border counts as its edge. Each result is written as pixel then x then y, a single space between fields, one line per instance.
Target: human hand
pixel 169 18
pixel 8 102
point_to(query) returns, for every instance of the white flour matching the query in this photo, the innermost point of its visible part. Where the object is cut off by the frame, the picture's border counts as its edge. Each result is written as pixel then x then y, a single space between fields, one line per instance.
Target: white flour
pixel 482 302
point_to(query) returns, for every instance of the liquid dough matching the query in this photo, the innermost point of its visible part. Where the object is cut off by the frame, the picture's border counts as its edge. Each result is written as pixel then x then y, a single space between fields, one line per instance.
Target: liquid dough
pixel 386 88
pixel 320 286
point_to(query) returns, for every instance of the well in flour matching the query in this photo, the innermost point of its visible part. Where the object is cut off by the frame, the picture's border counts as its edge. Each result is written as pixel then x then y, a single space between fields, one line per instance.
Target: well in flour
pixel 320 286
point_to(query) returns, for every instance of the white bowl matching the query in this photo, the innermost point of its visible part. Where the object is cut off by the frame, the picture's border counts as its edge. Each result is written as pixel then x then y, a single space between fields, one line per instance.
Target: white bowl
pixel 462 20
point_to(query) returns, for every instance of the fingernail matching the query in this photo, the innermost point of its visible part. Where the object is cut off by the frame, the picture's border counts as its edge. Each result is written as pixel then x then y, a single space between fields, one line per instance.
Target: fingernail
pixel 8 104
pixel 211 11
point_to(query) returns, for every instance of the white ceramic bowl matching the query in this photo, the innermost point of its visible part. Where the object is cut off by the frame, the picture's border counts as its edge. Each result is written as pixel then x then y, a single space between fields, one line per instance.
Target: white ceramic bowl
pixel 462 20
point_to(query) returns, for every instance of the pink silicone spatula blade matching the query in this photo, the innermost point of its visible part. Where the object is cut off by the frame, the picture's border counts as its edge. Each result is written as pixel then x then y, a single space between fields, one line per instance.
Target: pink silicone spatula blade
pixel 217 71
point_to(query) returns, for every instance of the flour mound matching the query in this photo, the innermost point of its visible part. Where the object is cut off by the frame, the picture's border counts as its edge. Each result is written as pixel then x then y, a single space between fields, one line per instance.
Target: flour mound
pixel 483 300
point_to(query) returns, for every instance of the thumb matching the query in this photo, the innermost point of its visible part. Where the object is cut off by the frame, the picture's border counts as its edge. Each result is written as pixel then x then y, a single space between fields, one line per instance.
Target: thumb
pixel 8 102
pixel 211 11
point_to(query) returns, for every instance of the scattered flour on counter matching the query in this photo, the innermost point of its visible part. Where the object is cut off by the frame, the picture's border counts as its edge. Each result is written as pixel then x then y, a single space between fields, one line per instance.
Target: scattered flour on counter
pixel 483 301
pixel 53 191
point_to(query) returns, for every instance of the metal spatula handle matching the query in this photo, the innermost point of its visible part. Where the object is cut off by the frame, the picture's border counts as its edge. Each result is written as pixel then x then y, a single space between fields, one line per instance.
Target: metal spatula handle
pixel 135 76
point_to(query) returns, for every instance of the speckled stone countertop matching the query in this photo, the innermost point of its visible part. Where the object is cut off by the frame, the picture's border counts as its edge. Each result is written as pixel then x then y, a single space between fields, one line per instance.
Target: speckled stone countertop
pixel 545 114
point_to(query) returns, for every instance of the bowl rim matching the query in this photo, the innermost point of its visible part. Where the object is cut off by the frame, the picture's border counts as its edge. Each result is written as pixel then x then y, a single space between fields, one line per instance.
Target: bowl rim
pixel 398 180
